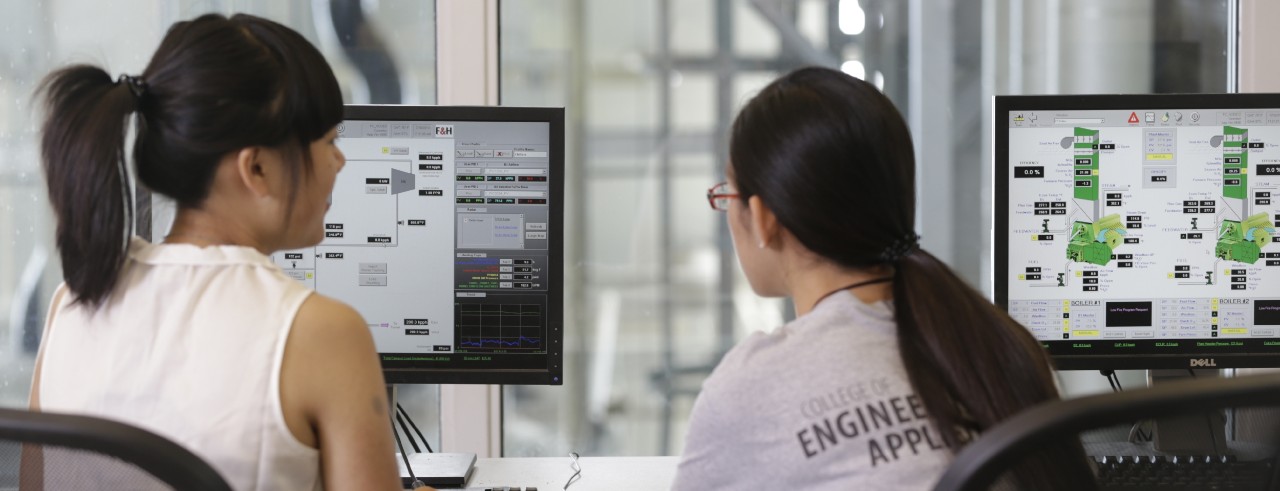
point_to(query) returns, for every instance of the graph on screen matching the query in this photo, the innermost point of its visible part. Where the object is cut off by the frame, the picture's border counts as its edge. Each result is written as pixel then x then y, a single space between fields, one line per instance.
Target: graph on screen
pixel 500 327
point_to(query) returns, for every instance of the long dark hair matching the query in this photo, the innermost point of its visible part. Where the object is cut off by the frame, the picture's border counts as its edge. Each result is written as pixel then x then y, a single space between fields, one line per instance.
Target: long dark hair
pixel 214 85
pixel 832 158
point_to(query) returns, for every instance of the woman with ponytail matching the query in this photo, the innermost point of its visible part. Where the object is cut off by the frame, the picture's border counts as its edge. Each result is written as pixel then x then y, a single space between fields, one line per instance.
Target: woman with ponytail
pixel 893 362
pixel 201 338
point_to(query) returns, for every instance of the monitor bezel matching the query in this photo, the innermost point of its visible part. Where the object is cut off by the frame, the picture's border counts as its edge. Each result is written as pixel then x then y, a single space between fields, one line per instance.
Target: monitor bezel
pixel 1004 104
pixel 553 373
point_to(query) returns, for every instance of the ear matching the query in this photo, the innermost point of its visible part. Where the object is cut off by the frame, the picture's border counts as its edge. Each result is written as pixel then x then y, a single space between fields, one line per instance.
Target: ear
pixel 252 172
pixel 763 222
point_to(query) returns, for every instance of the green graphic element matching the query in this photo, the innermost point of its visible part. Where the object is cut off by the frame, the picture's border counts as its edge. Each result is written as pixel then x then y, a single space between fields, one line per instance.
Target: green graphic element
pixel 1235 166
pixel 1243 241
pixel 1095 242
pixel 1091 242
pixel 1086 147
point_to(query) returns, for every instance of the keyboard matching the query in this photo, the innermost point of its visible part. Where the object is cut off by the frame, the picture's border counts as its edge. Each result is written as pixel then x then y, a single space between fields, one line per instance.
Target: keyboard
pixel 1148 472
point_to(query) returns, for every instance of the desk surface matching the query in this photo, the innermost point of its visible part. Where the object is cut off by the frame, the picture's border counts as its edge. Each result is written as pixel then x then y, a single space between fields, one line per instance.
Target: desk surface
pixel 598 473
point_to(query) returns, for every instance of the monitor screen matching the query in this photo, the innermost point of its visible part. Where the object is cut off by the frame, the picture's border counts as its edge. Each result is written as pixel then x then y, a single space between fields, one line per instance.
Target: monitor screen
pixel 1137 231
pixel 445 233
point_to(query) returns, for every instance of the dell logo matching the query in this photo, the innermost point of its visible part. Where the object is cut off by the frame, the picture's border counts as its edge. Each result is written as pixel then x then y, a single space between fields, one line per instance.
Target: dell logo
pixel 1203 362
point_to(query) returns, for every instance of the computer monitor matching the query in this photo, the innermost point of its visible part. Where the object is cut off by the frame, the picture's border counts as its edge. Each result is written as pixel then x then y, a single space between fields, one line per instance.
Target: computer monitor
pixel 1135 231
pixel 445 232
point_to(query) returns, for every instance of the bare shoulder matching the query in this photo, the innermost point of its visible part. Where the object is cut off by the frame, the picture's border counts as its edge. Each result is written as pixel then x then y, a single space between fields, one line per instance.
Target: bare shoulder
pixel 334 396
pixel 321 316
pixel 329 344
pixel 329 354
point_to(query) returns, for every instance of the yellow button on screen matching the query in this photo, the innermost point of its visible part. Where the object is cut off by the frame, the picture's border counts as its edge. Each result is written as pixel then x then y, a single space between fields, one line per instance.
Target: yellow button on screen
pixel 1085 334
pixel 1235 330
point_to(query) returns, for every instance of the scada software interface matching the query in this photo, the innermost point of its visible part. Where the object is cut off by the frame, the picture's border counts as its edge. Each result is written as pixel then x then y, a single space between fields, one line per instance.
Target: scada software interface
pixel 438 235
pixel 1145 228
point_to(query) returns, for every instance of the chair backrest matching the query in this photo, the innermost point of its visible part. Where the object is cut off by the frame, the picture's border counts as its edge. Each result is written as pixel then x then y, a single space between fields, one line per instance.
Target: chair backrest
pixel 980 463
pixel 53 450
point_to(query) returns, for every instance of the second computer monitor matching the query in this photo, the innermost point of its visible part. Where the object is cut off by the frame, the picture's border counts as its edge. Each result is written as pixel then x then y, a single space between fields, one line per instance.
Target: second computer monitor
pixel 1137 231
pixel 446 233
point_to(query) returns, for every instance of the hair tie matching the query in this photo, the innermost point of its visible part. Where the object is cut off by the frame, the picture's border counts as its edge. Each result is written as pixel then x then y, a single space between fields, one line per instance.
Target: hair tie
pixel 137 85
pixel 901 248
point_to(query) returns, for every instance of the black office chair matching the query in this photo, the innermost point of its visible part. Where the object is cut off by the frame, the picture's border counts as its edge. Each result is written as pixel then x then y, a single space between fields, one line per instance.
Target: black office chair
pixel 980 463
pixel 62 451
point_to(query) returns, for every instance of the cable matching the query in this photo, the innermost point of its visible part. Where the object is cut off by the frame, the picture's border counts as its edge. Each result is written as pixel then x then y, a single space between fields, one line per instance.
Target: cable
pixel 577 470
pixel 406 434
pixel 416 483
pixel 1136 431
pixel 1208 421
pixel 415 428
pixel 1109 374
pixel 1114 379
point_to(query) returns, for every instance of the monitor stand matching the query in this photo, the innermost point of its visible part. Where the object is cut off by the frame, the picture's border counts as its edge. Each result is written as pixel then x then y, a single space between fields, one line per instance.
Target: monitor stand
pixel 439 470
pixel 1191 434
pixel 435 469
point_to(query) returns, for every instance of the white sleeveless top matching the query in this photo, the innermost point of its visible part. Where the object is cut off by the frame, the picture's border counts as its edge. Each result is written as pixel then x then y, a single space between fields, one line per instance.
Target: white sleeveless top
pixel 189 346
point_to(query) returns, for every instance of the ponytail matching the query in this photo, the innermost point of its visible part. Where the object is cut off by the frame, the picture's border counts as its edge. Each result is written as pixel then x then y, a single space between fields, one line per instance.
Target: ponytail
pixel 817 143
pixel 974 366
pixel 214 85
pixel 82 151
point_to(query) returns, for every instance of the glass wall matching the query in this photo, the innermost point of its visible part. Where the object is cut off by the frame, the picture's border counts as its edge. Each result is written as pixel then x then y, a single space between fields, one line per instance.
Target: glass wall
pixel 383 52
pixel 655 296
pixel 650 86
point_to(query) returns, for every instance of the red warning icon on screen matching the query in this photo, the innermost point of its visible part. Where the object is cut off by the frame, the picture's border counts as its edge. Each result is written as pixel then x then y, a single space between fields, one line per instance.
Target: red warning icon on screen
pixel 1133 117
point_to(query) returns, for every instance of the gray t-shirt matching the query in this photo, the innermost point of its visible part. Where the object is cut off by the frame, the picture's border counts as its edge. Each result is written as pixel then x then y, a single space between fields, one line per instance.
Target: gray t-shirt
pixel 821 403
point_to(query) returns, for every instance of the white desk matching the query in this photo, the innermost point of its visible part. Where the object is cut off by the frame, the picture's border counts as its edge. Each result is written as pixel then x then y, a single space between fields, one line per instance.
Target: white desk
pixel 598 473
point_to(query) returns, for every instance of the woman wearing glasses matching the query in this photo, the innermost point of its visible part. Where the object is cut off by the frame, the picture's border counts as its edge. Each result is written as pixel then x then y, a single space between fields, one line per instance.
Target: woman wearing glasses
pixel 893 362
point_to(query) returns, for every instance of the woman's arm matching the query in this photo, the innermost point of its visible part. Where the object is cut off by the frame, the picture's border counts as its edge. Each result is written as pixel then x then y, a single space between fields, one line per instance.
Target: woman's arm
pixel 334 396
